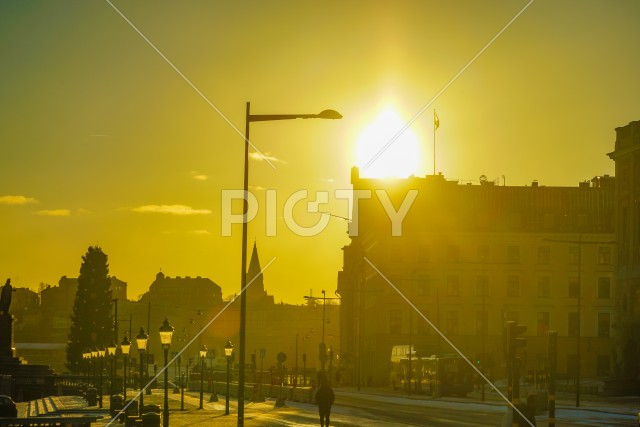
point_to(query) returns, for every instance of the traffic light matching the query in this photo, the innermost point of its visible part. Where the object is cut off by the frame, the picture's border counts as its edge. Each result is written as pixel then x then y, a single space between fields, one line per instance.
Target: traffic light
pixel 514 340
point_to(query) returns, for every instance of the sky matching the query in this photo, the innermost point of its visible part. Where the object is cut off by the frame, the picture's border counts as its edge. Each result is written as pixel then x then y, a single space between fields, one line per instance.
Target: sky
pixel 122 123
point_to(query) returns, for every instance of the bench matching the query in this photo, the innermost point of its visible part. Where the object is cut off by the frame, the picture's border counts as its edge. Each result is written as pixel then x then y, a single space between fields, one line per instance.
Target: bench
pixel 74 421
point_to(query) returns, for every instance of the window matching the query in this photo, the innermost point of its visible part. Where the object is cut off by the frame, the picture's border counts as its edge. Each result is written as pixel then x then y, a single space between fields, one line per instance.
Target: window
pixel 543 323
pixel 482 286
pixel 423 285
pixel 604 287
pixel 423 326
pixel 603 365
pixel 513 254
pixel 451 322
pixel 453 253
pixel 604 324
pixel 512 316
pixel 544 255
pixel 574 287
pixel 574 255
pixel 604 255
pixel 572 325
pixel 513 286
pixel 395 321
pixel 453 286
pixel 482 322
pixel 483 253
pixel 423 254
pixel 544 286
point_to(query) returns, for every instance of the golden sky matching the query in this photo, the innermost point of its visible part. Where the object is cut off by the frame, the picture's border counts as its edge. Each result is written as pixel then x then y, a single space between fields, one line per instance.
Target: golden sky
pixel 103 142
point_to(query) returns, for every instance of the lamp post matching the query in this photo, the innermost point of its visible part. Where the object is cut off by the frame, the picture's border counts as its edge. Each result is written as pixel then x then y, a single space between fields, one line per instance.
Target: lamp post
pixel 579 242
pixel 263 353
pixel 203 354
pixel 101 353
pixel 94 357
pixel 326 114
pixel 166 333
pixel 141 339
pixel 111 351
pixel 125 346
pixel 86 356
pixel 214 396
pixel 228 351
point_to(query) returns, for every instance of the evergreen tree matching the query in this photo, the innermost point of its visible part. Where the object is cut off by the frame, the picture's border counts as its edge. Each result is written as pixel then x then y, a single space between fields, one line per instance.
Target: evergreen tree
pixel 91 320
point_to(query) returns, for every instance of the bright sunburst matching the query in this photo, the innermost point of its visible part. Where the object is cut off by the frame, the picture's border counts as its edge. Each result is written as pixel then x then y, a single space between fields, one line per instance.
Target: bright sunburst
pixel 400 159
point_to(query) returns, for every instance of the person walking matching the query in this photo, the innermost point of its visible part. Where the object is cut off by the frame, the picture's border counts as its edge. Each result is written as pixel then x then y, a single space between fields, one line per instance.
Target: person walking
pixel 324 399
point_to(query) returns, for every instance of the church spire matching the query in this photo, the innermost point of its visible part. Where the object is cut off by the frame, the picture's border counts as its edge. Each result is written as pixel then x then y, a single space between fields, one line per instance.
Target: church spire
pixel 255 272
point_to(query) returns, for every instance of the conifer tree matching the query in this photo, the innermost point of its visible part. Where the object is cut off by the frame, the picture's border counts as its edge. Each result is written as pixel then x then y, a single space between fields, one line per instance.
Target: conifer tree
pixel 91 319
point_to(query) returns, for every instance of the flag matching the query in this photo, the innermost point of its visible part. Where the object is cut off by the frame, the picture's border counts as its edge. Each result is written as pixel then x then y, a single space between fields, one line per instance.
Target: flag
pixel 436 120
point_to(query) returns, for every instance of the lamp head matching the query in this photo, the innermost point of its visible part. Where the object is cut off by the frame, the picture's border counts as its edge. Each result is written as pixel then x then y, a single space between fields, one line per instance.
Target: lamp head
pixel 166 333
pixel 125 345
pixel 203 351
pixel 111 348
pixel 141 339
pixel 228 349
pixel 101 351
pixel 329 114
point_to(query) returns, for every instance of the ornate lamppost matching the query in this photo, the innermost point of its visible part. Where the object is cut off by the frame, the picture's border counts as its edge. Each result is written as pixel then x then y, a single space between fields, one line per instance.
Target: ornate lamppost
pixel 111 351
pixel 94 356
pixel 141 339
pixel 166 333
pixel 101 353
pixel 203 354
pixel 228 351
pixel 125 346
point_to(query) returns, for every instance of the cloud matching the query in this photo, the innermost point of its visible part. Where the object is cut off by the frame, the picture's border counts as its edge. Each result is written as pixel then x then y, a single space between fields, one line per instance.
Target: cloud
pixel 16 200
pixel 54 212
pixel 199 176
pixel 171 209
pixel 201 232
pixel 265 156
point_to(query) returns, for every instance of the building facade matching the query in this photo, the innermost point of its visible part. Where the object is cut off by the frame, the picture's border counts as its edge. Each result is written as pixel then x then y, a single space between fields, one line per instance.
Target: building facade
pixel 459 261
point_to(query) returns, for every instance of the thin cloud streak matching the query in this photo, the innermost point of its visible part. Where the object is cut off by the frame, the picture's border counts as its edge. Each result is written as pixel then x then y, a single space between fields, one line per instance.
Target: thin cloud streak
pixel 17 200
pixel 265 157
pixel 54 212
pixel 171 209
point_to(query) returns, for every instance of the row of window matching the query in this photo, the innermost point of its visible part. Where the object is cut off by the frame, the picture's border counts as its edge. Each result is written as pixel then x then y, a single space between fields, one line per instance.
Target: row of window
pixel 423 286
pixel 513 255
pixel 452 323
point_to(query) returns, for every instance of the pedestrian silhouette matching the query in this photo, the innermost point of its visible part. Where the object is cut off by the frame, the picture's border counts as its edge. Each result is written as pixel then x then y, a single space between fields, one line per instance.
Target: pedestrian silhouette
pixel 324 399
pixel 528 410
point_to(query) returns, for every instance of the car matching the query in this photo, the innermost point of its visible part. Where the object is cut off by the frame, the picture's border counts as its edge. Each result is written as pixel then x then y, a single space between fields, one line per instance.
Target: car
pixel 7 407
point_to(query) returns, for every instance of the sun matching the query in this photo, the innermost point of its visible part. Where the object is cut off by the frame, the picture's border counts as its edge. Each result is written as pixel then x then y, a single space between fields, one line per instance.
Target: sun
pixel 379 156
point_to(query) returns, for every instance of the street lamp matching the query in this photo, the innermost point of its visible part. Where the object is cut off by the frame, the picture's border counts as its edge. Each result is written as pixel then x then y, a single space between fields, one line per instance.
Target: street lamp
pixel 166 333
pixel 326 114
pixel 214 396
pixel 101 353
pixel 111 351
pixel 203 354
pixel 94 356
pixel 141 340
pixel 86 356
pixel 228 351
pixel 125 346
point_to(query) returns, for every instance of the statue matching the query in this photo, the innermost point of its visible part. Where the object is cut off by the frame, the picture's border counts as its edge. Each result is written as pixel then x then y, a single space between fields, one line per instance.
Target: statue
pixel 5 297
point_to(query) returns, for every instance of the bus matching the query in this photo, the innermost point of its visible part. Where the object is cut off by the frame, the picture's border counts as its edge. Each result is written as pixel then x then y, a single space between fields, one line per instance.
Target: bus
pixel 437 375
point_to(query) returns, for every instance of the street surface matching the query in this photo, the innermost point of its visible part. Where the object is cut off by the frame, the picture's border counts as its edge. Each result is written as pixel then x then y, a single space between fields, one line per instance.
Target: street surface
pixel 371 408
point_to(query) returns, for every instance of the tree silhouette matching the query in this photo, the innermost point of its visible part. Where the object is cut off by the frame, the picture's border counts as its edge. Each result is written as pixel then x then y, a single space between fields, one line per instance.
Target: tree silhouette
pixel 91 320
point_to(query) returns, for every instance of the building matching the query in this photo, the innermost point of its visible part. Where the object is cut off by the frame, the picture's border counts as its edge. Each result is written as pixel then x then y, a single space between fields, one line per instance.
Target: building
pixel 464 260
pixel 627 200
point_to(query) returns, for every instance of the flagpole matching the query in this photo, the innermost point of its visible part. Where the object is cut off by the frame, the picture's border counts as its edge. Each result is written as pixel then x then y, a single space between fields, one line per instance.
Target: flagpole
pixel 434 141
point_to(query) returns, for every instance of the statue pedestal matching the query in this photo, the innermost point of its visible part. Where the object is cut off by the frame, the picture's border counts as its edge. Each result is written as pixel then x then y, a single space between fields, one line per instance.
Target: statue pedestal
pixel 6 336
